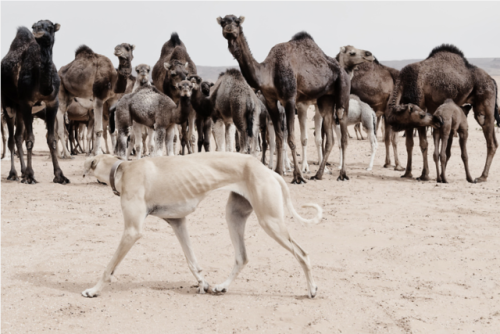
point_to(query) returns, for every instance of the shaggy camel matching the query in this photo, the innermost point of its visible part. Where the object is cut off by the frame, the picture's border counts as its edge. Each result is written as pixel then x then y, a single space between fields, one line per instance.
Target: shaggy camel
pixel 29 78
pixel 452 119
pixel 446 74
pixel 161 187
pixel 204 111
pixel 293 72
pixel 150 107
pixel 373 83
pixel 174 66
pixel 361 112
pixel 235 102
pixel 92 76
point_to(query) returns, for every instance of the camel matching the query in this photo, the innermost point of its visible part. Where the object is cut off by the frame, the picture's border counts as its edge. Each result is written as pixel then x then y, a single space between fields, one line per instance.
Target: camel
pixel 77 114
pixel 293 72
pixel 360 112
pixel 204 111
pixel 446 74
pixel 235 102
pixel 373 83
pixel 92 76
pixel 29 78
pixel 148 106
pixel 453 119
pixel 174 66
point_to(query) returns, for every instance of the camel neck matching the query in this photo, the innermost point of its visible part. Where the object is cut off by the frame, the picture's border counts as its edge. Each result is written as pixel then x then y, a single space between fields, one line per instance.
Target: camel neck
pixel 250 68
pixel 46 69
pixel 124 71
pixel 183 109
pixel 348 68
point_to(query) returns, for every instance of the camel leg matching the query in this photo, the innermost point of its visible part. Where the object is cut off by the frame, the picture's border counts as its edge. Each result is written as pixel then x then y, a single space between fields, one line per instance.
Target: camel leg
pixel 50 118
pixel 98 106
pixel 105 134
pixel 90 136
pixel 272 143
pixel 61 134
pixel 328 127
pixel 422 134
pixel 357 128
pixel 286 160
pixel 487 122
pixel 219 136
pixel 4 137
pixel 409 150
pixel 394 141
pixel 19 136
pixel 436 136
pixel 290 120
pixel 207 130
pixel 134 214
pixel 265 144
pixel 379 121
pixel 200 129
pixel 121 142
pixel 274 113
pixel 162 137
pixel 302 115
pixel 465 158
pixel 12 142
pixel 150 142
pixel 336 128
pixel 442 155
pixel 372 136
pixel 318 140
pixel 169 141
pixel 343 142
pixel 230 140
pixel 238 209
pixel 138 140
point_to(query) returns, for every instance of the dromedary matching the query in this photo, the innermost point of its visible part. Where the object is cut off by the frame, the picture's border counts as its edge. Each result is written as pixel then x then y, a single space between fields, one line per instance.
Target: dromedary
pixel 293 72
pixel 204 111
pixel 373 83
pixel 174 66
pixel 92 76
pixel 446 74
pixel 29 77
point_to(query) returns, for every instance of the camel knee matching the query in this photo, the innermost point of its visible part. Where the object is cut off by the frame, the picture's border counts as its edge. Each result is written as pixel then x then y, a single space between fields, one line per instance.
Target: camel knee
pixel 304 142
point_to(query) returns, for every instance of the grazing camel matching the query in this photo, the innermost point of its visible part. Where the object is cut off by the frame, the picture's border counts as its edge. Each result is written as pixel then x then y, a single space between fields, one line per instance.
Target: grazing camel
pixel 447 74
pixel 235 102
pixel 360 112
pixel 92 76
pixel 175 65
pixel 293 72
pixel 29 78
pixel 452 120
pixel 373 83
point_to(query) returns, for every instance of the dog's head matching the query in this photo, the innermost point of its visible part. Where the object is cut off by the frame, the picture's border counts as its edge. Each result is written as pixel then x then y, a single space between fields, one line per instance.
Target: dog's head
pixel 90 165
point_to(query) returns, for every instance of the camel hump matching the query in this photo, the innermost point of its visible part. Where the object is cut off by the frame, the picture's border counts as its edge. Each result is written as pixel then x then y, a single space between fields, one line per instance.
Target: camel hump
pixel 83 49
pixel 23 37
pixel 301 35
pixel 233 72
pixel 450 48
pixel 174 38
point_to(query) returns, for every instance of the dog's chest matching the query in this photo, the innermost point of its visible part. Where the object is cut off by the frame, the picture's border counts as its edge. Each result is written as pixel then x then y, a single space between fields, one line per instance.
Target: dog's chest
pixel 174 210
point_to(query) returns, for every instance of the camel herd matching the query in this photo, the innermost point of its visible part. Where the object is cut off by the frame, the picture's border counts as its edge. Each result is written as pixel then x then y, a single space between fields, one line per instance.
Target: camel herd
pixel 251 109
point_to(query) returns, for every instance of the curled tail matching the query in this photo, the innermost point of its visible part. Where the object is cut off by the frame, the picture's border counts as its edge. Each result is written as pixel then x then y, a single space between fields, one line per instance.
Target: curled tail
pixel 291 209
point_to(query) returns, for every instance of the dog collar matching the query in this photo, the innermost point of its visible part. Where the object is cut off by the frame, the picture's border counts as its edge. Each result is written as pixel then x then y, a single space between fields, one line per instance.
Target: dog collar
pixel 112 175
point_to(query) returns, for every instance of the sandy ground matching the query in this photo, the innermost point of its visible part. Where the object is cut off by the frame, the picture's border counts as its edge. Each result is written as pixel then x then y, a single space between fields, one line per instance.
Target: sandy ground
pixel 390 256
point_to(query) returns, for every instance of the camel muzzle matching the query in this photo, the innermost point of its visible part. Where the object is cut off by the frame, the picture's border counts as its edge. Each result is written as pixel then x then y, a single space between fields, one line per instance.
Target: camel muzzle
pixel 38 34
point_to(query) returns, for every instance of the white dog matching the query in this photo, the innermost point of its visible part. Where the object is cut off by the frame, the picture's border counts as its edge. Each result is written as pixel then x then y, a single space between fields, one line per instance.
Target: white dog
pixel 172 187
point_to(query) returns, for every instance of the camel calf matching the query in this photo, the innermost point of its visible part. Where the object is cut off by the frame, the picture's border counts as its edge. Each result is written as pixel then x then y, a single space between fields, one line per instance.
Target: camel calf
pixel 454 119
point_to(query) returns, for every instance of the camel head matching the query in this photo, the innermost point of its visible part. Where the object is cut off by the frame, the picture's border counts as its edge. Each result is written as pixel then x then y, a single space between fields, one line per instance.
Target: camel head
pixel 176 71
pixel 143 73
pixel 44 32
pixel 231 26
pixel 185 88
pixel 124 51
pixel 410 116
pixel 205 87
pixel 349 56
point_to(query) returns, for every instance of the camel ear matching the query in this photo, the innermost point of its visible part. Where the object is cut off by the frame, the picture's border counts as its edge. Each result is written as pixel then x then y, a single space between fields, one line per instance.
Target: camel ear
pixel 186 65
pixel 57 26
pixel 242 19
pixel 410 107
pixel 167 66
pixel 219 21
pixel 343 49
pixel 132 47
pixel 400 108
pixel 149 68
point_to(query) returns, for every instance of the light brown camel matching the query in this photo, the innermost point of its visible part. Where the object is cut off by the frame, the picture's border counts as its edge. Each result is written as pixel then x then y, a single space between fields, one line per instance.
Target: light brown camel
pixel 293 72
pixel 373 83
pixel 92 76
pixel 446 74
pixel 174 66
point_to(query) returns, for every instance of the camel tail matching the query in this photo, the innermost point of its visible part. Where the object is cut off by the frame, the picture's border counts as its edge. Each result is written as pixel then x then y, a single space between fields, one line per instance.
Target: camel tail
pixel 112 124
pixel 374 119
pixel 250 114
pixel 497 115
pixel 291 209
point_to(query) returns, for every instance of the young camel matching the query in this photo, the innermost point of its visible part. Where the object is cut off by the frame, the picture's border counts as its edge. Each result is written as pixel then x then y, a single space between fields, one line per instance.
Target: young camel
pixel 453 119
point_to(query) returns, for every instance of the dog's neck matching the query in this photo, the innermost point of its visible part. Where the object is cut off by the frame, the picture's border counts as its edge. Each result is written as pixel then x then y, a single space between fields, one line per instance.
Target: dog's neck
pixel 104 168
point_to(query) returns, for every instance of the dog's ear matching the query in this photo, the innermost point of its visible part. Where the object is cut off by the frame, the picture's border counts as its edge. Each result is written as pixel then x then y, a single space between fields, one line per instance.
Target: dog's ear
pixel 89 165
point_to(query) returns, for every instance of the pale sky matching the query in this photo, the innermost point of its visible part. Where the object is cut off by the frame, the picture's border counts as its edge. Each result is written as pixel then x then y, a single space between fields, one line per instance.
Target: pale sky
pixel 390 30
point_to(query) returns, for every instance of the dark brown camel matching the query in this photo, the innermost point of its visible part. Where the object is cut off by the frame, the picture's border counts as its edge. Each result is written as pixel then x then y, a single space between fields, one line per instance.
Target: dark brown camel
pixel 293 72
pixel 174 66
pixel 373 83
pixel 29 78
pixel 446 74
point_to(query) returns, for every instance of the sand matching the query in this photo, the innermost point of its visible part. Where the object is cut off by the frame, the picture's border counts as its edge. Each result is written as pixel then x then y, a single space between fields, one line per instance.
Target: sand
pixel 391 255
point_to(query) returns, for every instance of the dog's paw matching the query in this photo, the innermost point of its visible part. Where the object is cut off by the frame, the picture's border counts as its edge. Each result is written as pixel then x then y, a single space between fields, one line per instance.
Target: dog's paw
pixel 219 289
pixel 90 293
pixel 312 293
pixel 203 287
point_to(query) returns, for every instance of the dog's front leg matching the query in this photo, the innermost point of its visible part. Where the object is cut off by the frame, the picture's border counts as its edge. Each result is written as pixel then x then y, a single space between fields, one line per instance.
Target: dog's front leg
pixel 134 214
pixel 180 230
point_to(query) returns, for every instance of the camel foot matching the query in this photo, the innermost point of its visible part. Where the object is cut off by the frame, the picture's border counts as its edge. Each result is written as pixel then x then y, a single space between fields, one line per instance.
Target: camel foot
pixel 318 176
pixel 60 178
pixel 30 179
pixel 399 168
pixel 13 176
pixel 480 179
pixel 343 177
pixel 407 176
pixel 298 179
pixel 470 180
pixel 427 178
pixel 387 165
pixel 64 156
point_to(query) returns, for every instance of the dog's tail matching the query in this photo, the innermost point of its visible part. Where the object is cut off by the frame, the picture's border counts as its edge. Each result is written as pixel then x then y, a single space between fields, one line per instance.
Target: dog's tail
pixel 291 209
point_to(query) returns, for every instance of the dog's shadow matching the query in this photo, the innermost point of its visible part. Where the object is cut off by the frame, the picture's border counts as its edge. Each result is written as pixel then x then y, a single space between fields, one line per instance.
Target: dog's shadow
pixel 47 279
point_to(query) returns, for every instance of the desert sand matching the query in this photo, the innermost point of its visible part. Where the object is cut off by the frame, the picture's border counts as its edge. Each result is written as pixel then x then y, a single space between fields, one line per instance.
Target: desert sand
pixel 391 255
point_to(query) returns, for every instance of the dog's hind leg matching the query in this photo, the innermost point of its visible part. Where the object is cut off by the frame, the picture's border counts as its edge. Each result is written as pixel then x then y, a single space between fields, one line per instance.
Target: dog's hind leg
pixel 134 214
pixel 237 211
pixel 180 230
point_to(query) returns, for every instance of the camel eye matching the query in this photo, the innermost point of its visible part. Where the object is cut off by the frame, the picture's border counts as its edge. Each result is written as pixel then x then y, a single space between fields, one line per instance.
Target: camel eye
pixel 353 53
pixel 422 116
